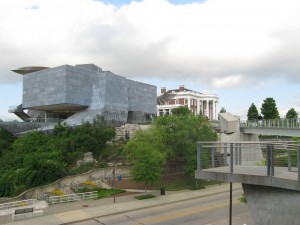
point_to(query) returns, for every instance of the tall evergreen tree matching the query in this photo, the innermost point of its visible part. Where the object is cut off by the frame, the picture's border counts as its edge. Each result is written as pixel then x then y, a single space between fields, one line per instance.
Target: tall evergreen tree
pixel 291 114
pixel 269 109
pixel 252 112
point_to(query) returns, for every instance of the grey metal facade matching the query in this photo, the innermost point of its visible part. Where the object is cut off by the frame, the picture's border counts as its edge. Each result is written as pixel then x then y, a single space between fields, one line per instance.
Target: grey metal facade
pixel 80 93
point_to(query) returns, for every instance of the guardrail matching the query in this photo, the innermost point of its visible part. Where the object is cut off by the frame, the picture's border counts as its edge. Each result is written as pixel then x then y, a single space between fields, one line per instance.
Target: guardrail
pixel 72 197
pixel 274 123
pixel 231 154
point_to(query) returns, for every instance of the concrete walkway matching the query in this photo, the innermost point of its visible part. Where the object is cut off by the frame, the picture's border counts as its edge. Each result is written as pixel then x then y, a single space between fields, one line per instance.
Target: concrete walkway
pixel 83 210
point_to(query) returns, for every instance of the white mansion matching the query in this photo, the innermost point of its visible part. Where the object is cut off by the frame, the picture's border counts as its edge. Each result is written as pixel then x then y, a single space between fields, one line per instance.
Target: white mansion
pixel 198 103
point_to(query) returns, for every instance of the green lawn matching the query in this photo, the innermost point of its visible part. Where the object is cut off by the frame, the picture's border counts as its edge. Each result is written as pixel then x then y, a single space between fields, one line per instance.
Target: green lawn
pixel 183 183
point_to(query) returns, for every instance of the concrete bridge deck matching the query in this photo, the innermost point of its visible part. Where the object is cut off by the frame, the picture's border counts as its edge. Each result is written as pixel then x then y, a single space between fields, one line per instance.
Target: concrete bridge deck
pixel 256 175
pixel 250 162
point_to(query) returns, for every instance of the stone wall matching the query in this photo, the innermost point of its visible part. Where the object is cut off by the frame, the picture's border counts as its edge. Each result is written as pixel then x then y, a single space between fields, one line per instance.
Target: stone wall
pixel 127 131
pixel 99 176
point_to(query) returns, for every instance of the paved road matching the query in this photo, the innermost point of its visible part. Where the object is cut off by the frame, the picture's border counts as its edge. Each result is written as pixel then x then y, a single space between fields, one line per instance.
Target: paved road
pixel 210 210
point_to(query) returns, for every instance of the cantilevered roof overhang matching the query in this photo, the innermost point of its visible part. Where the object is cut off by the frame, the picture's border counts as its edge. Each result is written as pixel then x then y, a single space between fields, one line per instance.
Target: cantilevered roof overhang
pixel 65 107
pixel 29 69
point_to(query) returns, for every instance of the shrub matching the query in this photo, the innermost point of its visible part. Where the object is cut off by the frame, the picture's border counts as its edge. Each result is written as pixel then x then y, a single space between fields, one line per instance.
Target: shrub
pixel 142 197
pixel 90 183
pixel 58 192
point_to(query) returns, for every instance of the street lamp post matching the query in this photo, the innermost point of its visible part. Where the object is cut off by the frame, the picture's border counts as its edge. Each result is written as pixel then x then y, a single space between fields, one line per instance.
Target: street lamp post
pixel 113 181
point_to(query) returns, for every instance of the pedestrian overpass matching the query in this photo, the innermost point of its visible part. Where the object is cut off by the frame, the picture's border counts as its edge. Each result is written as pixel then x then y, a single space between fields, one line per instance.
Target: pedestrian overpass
pixel 280 127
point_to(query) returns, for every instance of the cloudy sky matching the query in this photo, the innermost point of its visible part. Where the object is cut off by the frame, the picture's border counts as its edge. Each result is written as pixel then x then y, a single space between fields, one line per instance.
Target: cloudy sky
pixel 242 50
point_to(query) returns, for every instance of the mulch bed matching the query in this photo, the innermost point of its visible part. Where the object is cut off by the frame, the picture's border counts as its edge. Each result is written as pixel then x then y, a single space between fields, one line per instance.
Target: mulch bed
pixel 127 183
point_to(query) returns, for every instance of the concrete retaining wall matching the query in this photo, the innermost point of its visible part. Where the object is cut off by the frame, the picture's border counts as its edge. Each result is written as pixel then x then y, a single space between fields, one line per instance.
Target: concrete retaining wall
pixel 272 206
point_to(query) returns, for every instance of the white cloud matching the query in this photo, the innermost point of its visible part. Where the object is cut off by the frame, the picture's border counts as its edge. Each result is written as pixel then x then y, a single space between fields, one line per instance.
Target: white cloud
pixel 212 42
pixel 228 82
pixel 212 45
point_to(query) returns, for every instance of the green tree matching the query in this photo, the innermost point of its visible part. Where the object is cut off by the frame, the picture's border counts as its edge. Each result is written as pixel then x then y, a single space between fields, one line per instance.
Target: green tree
pixel 269 109
pixel 252 112
pixel 144 152
pixel 6 140
pixel 291 114
pixel 92 137
pixel 180 133
pixel 176 136
pixel 182 110
pixel 223 110
pixel 37 158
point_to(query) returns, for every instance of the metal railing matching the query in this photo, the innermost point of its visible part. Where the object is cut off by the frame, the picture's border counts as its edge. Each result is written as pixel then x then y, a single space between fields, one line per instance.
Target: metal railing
pixel 274 123
pixel 72 197
pixel 231 154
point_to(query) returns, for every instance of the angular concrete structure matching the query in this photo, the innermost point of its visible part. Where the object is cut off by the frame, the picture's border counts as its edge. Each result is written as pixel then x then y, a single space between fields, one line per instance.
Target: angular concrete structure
pixel 74 94
pixel 228 123
pixel 230 132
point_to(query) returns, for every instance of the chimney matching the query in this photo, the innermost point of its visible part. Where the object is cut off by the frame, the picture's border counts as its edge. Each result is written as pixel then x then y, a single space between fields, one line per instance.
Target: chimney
pixel 163 90
pixel 181 88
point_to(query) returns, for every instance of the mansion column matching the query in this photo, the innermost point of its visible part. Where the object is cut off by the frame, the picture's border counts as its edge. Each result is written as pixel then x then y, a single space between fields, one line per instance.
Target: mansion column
pixel 207 109
pixel 213 110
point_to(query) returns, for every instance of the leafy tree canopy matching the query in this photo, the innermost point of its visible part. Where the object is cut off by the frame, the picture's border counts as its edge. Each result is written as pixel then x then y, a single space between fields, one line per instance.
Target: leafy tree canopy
pixel 144 151
pixel 223 110
pixel 269 109
pixel 37 158
pixel 175 137
pixel 6 140
pixel 291 114
pixel 252 112
pixel 182 110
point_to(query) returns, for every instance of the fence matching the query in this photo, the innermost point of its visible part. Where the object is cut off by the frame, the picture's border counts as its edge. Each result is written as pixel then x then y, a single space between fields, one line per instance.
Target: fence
pixel 9 205
pixel 275 123
pixel 274 154
pixel 72 197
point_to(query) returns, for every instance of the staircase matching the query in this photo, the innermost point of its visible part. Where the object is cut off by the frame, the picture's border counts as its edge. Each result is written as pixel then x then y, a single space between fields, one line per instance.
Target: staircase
pixel 18 111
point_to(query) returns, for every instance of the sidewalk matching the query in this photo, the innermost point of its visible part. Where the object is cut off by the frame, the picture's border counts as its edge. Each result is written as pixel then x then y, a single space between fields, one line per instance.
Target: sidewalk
pixel 83 210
